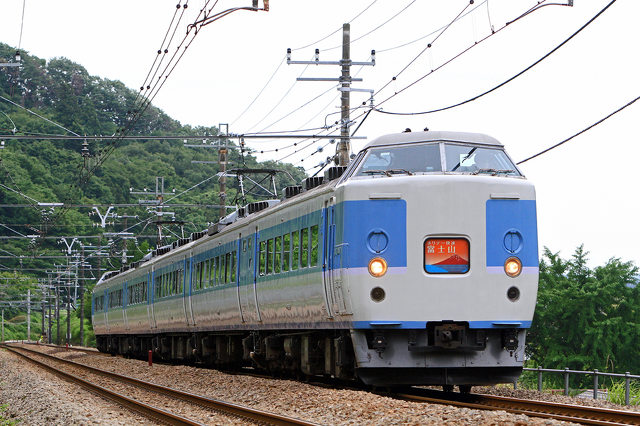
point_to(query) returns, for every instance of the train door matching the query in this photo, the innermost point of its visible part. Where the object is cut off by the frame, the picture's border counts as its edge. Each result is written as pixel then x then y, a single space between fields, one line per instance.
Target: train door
pixel 125 299
pixel 106 309
pixel 189 282
pixel 149 300
pixel 185 289
pixel 152 297
pixel 332 262
pixel 247 281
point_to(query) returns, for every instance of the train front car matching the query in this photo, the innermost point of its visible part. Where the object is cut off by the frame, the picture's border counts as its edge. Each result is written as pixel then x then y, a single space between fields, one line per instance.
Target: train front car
pixel 436 233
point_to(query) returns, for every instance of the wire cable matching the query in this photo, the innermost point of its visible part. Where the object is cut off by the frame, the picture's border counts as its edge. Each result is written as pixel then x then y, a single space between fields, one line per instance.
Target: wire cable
pixel 39 116
pixel 477 43
pixel 580 132
pixel 375 29
pixel 430 34
pixel 337 30
pixel 510 79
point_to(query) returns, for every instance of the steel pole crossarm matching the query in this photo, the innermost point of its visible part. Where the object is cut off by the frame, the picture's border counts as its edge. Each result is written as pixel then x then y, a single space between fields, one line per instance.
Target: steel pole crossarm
pixel 10 64
pixel 349 80
pixel 353 89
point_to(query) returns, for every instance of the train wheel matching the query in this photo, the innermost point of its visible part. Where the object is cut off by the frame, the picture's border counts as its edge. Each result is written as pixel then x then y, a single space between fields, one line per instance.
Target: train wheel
pixel 464 388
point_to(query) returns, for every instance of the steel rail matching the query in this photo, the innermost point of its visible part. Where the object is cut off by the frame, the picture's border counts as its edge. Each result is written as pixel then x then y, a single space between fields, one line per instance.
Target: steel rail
pixel 146 410
pixel 244 412
pixel 550 410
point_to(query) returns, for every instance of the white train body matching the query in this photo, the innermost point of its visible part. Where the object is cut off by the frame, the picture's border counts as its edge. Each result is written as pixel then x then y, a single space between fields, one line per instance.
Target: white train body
pixel 418 267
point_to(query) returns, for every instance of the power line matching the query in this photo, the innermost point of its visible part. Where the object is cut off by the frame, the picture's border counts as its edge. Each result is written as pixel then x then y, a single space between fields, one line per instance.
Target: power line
pixel 510 79
pixel 38 115
pixel 579 133
pixel 477 43
pixel 430 34
pixel 376 28
pixel 336 31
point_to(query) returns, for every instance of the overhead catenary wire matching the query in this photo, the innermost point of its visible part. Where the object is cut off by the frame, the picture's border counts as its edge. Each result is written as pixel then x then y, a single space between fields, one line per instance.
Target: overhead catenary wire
pixel 387 49
pixel 374 29
pixel 336 31
pixel 486 92
pixel 586 129
pixel 39 116
pixel 459 54
pixel 428 46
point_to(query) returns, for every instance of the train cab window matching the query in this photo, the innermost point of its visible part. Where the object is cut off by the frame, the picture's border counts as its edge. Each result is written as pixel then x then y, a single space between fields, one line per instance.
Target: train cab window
pixel 478 160
pixel 402 159
pixel 314 245
pixel 304 246
pixel 295 250
pixel 263 259
pixel 286 252
pixel 278 255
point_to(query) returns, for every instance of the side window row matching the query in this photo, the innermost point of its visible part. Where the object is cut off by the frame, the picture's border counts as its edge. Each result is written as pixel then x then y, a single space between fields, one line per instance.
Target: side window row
pixel 218 270
pixel 137 293
pixel 288 252
pixel 115 298
pixel 99 304
pixel 169 283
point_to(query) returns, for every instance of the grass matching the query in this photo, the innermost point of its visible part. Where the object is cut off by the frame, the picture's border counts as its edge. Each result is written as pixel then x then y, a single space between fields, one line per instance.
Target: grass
pixel 3 420
pixel 617 391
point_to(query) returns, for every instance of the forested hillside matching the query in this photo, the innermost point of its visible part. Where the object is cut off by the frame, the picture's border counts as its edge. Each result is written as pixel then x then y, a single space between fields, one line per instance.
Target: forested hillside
pixel 47 171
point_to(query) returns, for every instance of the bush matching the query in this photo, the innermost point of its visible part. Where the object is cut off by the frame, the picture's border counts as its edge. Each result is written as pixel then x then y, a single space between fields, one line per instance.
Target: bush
pixel 616 393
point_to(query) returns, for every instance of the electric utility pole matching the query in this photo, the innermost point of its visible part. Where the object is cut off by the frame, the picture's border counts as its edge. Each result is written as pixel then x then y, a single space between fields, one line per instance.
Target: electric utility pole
pixel 344 147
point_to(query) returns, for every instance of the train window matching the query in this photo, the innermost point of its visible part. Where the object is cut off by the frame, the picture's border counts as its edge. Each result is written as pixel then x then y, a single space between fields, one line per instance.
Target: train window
pixel 196 276
pixel 211 279
pixel 415 158
pixel 227 267
pixel 278 255
pixel 221 270
pixel 314 245
pixel 286 252
pixel 180 281
pixel 270 256
pixel 478 160
pixel 295 250
pixel 233 266
pixel 304 248
pixel 263 260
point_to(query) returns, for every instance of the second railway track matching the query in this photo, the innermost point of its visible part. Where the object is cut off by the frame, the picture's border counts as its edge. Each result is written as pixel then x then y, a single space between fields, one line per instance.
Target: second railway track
pixel 203 407
pixel 545 409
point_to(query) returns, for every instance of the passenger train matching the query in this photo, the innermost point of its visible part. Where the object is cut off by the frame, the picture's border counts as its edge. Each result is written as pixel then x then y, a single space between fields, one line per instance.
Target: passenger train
pixel 415 265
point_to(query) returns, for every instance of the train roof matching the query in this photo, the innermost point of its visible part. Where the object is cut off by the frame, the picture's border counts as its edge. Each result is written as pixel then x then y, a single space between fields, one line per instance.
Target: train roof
pixel 433 136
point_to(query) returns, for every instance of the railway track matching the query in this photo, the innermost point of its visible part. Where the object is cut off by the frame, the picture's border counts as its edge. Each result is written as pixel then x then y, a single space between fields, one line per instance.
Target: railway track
pixel 567 412
pixel 549 410
pixel 155 413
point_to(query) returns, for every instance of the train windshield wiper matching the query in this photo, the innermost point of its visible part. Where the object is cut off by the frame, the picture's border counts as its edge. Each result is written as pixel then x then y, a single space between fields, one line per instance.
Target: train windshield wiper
pixel 388 173
pixel 492 172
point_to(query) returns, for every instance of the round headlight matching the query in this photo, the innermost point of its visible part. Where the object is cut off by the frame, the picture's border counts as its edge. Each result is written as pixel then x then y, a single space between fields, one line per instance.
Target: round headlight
pixel 513 267
pixel 377 267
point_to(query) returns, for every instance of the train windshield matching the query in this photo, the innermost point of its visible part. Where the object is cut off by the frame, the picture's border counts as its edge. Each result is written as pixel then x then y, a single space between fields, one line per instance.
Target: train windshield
pixel 478 160
pixel 407 159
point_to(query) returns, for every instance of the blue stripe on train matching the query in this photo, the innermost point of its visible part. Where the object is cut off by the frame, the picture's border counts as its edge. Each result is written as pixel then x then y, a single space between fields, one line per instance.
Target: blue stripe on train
pixel 511 231
pixel 363 223
pixel 423 324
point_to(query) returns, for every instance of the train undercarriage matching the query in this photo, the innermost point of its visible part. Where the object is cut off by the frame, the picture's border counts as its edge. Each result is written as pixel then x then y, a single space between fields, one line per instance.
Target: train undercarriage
pixel 378 358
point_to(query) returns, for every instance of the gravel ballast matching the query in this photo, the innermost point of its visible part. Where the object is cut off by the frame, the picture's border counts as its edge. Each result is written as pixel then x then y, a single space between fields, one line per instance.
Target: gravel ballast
pixel 296 399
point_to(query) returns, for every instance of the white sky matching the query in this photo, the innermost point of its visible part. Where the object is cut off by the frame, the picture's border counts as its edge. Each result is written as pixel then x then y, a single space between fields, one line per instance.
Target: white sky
pixel 586 192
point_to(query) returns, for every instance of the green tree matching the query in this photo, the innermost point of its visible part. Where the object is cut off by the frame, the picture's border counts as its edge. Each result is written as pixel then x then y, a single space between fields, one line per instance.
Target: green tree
pixel 586 318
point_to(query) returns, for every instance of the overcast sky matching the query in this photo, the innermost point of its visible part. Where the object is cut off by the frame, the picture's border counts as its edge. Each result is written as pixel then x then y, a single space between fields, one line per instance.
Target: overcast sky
pixel 587 189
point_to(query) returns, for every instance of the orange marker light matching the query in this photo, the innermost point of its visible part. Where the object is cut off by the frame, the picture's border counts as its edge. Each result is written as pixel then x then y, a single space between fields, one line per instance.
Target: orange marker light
pixel 377 267
pixel 513 267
